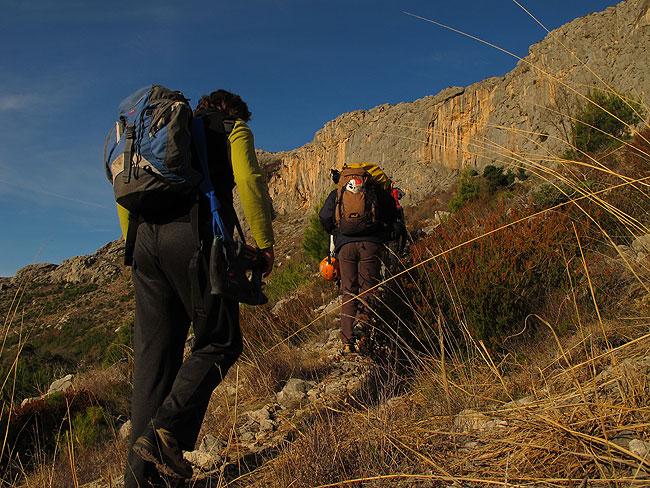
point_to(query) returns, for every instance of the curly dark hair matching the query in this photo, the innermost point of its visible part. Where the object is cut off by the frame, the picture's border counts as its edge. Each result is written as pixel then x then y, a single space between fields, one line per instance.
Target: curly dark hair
pixel 224 101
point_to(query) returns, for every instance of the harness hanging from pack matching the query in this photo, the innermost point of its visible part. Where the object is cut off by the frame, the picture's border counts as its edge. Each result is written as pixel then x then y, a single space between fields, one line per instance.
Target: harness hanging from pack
pixel 229 259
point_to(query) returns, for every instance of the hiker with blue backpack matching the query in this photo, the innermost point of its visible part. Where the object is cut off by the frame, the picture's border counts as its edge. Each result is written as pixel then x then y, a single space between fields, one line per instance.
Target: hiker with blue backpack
pixel 173 172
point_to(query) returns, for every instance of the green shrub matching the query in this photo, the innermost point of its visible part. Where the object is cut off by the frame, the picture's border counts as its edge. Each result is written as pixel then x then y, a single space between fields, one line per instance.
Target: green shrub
pixel 122 345
pixel 469 189
pixel 32 375
pixel 488 287
pixel 521 174
pixel 89 426
pixel 64 294
pixel 287 278
pixel 34 430
pixel 497 178
pixel 315 241
pixel 595 128
pixel 471 185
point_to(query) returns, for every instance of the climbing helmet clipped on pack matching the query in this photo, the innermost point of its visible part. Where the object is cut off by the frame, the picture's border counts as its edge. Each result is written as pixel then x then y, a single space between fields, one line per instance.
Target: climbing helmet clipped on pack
pixel 329 268
pixel 354 185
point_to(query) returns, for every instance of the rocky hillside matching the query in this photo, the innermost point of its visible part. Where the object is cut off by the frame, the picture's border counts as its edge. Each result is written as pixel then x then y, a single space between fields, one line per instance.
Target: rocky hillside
pixel 418 143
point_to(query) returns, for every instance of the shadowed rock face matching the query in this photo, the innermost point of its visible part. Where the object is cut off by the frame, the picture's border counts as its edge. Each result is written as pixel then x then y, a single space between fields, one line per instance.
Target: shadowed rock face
pixel 420 144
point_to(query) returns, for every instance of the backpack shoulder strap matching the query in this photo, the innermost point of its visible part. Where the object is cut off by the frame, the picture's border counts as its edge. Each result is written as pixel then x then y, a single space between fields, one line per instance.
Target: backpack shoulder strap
pixel 201 148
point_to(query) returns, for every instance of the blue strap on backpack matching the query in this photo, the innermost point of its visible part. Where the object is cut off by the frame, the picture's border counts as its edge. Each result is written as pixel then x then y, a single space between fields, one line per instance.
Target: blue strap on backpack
pixel 201 148
pixel 229 260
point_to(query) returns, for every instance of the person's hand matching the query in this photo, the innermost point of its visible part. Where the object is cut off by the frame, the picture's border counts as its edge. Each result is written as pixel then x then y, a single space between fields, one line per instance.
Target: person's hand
pixel 269 258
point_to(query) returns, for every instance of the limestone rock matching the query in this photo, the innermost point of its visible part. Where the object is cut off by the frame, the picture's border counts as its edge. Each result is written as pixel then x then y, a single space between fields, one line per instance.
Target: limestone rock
pixel 212 444
pixel 37 273
pixel 203 460
pixel 57 386
pixel 61 385
pixel 102 266
pixel 640 448
pixel 207 456
pixel 293 393
pixel 423 143
pixel 470 420
pixel 125 430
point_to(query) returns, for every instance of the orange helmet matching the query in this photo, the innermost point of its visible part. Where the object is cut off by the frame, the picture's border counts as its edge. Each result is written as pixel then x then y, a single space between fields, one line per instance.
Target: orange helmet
pixel 329 268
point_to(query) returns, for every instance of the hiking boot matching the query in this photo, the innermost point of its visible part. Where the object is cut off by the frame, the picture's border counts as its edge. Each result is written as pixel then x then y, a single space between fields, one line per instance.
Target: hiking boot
pixel 159 446
pixel 357 331
pixel 348 348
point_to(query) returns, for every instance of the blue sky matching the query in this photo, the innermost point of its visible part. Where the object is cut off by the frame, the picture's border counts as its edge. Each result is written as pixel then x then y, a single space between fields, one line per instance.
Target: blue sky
pixel 66 64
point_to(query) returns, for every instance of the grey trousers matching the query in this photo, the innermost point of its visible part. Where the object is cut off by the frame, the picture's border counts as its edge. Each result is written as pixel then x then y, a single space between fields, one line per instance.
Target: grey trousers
pixel 168 391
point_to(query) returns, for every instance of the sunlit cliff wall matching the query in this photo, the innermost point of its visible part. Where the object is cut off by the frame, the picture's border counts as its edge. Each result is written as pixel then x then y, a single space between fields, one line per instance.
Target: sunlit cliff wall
pixel 522 116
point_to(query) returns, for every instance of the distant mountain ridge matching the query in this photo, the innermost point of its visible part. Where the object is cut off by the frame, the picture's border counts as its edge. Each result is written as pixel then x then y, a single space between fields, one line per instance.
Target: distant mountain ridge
pixel 524 112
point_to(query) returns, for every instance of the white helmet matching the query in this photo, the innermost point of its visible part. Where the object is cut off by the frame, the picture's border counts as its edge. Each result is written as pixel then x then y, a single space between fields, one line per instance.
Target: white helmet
pixel 354 185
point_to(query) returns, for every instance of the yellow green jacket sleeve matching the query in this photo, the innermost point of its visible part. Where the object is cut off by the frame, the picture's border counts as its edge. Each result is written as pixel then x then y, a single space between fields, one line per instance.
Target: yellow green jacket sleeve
pixel 250 184
pixel 123 215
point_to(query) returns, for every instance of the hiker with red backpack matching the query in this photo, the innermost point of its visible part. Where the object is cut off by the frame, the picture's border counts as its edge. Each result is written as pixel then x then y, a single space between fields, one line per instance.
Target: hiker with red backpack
pixel 360 213
pixel 180 238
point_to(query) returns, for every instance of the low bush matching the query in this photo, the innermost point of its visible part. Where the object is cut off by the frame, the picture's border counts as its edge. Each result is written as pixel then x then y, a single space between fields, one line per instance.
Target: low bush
pixel 35 429
pixel 288 278
pixel 122 346
pixel 469 189
pixel 315 241
pixel 89 426
pixel 472 186
pixel 31 374
pixel 497 177
pixel 487 287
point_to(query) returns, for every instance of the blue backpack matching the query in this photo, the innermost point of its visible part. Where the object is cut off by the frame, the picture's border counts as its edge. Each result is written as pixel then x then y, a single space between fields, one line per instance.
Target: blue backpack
pixel 147 156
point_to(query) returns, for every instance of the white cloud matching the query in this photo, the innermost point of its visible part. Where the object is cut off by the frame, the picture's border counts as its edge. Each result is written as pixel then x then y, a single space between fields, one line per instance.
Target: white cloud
pixel 16 102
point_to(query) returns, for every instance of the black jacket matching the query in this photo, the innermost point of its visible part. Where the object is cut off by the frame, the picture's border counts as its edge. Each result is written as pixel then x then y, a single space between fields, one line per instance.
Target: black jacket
pixel 387 213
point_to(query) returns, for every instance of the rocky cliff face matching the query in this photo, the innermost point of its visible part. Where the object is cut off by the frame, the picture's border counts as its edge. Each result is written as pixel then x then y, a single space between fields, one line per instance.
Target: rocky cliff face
pixel 495 121
pixel 104 265
pixel 421 144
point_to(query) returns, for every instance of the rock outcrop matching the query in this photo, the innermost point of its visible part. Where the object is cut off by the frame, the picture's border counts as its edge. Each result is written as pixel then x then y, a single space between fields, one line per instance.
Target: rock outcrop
pixel 102 266
pixel 494 121
pixel 262 432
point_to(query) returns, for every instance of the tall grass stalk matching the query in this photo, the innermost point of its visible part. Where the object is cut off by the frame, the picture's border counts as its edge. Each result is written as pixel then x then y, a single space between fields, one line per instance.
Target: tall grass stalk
pixel 70 447
pixel 591 290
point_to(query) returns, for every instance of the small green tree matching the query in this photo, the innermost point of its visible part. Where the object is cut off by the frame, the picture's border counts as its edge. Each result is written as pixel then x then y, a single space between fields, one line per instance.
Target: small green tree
pixel 493 179
pixel 606 117
pixel 89 426
pixel 469 189
pixel 496 177
pixel 315 241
